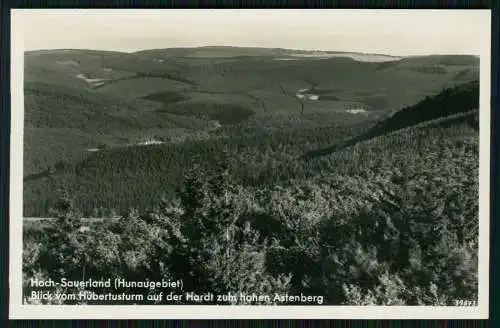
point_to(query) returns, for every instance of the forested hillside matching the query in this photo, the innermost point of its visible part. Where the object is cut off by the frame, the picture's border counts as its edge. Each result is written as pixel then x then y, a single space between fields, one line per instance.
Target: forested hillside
pixel 452 102
pixel 118 99
pixel 103 179
pixel 389 221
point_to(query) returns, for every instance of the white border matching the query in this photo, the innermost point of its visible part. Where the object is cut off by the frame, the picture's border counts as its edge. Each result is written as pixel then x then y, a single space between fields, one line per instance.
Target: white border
pixel 20 311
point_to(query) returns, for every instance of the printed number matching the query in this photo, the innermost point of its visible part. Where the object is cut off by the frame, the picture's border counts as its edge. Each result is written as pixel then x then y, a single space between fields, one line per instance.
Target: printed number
pixel 465 303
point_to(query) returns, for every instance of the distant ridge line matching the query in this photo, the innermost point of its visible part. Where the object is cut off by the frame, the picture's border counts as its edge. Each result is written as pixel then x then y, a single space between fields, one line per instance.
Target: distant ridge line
pixel 283 50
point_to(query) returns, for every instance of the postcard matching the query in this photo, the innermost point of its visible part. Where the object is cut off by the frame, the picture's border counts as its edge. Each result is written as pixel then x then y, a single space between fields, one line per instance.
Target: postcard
pixel 250 164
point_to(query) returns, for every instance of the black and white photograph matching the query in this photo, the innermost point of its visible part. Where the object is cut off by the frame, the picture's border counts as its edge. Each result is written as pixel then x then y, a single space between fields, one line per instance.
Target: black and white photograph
pixel 250 163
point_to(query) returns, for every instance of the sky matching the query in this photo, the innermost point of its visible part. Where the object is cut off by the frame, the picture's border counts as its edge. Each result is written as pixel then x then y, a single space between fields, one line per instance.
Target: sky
pixel 393 32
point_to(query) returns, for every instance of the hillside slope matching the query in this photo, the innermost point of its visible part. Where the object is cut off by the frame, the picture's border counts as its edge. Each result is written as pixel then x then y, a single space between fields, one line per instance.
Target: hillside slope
pixel 126 98
pixel 449 103
pixel 97 111
pixel 141 176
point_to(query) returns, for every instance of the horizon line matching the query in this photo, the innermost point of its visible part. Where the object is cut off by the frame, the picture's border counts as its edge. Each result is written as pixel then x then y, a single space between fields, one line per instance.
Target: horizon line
pixel 251 47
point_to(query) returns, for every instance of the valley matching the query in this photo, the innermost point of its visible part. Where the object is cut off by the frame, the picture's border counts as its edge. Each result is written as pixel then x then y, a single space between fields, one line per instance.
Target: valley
pixel 116 99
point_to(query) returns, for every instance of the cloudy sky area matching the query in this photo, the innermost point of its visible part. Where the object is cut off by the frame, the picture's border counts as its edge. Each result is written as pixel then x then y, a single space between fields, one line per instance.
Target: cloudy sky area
pixel 394 32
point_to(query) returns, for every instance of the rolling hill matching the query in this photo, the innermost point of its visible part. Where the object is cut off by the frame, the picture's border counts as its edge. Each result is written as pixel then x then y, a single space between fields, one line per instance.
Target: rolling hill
pixel 458 103
pixel 264 141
